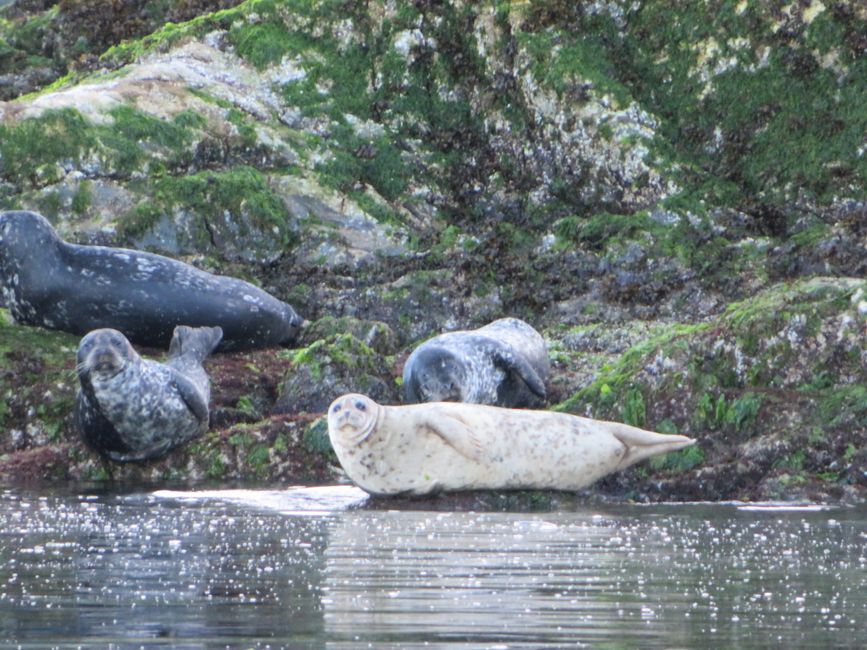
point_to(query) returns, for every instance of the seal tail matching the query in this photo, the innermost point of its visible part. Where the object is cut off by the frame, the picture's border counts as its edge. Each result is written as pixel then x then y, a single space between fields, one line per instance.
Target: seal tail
pixel 194 342
pixel 642 444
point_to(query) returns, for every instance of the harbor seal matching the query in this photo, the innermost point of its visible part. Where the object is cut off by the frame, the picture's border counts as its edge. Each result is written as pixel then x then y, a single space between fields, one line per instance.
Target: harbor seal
pixel 48 282
pixel 504 363
pixel 446 446
pixel 132 409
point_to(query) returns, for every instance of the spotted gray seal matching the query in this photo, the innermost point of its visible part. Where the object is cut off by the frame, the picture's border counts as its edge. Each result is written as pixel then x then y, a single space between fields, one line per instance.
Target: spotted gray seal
pixel 504 363
pixel 133 409
pixel 48 282
pixel 446 446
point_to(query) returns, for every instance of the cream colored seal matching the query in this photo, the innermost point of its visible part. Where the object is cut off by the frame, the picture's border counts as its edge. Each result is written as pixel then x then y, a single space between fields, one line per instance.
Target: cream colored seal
pixel 441 446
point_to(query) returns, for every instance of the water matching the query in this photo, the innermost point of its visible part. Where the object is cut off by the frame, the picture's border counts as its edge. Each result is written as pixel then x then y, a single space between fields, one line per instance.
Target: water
pixel 316 567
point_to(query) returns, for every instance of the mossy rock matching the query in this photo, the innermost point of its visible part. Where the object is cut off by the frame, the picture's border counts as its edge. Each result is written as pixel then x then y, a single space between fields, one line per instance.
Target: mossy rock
pixel 375 334
pixel 37 385
pixel 793 353
pixel 331 367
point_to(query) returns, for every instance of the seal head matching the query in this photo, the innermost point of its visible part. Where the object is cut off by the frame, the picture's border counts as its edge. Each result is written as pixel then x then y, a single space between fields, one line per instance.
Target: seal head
pixel 436 375
pixel 353 418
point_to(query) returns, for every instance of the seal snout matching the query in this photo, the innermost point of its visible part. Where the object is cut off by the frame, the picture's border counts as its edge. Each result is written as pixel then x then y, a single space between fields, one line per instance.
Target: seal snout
pixel 102 360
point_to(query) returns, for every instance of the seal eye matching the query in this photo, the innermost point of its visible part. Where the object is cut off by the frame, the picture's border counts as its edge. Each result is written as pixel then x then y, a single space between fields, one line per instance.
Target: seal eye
pixel 361 406
pixel 336 408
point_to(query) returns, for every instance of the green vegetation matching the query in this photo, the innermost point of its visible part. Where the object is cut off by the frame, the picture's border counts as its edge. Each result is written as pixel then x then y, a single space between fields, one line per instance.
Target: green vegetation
pixel 343 350
pixel 43 379
pixel 572 63
pixel 31 149
pixel 678 462
pixel 316 440
pixel 749 112
pixel 34 152
pixel 242 192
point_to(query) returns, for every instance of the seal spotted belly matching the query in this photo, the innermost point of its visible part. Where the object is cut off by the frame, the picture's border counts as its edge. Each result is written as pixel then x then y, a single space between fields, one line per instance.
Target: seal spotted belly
pixel 504 363
pixel 51 283
pixel 133 409
pixel 447 446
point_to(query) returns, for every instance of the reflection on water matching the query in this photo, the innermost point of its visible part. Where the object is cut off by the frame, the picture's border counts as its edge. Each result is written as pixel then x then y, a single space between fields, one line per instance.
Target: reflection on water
pixel 312 568
pixel 686 576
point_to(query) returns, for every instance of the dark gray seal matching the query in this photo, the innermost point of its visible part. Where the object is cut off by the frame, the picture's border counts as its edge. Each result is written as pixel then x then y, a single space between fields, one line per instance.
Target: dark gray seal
pixel 48 282
pixel 504 363
pixel 133 409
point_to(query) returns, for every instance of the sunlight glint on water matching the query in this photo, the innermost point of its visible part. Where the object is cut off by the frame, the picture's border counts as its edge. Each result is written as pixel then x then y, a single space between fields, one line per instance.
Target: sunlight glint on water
pixel 312 567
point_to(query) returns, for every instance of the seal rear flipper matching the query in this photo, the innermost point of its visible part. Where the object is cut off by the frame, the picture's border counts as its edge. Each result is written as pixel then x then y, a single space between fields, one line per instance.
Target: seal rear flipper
pixel 642 444
pixel 458 435
pixel 194 342
pixel 191 396
pixel 518 365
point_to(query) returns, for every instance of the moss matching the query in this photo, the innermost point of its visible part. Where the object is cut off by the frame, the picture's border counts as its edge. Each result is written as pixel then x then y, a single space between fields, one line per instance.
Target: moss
pixel 41 387
pixel 745 129
pixel 266 43
pixel 35 152
pixel 572 62
pixel 615 380
pixel 82 198
pixel 31 149
pixel 843 404
pixel 679 462
pixel 245 128
pixel 242 192
pixel 316 440
pixel 634 412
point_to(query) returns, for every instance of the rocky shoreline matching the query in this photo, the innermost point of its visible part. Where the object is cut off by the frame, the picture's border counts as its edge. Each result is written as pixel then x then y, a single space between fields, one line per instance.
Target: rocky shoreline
pixel 692 248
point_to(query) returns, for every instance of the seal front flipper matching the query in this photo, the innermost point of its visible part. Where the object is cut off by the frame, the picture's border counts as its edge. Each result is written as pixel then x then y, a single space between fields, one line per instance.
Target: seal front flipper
pixel 96 430
pixel 506 359
pixel 191 396
pixel 457 434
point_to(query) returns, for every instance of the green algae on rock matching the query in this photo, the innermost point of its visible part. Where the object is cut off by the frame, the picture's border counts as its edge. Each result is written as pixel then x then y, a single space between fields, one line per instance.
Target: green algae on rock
pixel 778 374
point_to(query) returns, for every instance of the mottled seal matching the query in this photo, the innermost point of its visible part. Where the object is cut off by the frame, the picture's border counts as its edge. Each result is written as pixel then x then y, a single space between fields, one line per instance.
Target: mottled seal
pixel 133 409
pixel 441 446
pixel 504 363
pixel 46 281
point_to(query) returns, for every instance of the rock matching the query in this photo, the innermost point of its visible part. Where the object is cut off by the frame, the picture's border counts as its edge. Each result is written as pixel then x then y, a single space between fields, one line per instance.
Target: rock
pixel 331 367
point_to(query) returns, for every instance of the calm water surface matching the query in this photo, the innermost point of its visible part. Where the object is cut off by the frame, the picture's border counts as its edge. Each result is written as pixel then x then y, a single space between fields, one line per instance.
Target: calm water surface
pixel 315 567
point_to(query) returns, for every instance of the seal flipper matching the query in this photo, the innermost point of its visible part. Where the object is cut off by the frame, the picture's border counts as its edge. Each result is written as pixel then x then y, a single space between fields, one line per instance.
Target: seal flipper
pixel 191 396
pixel 642 444
pixel 514 363
pixel 194 342
pixel 458 435
pixel 96 430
